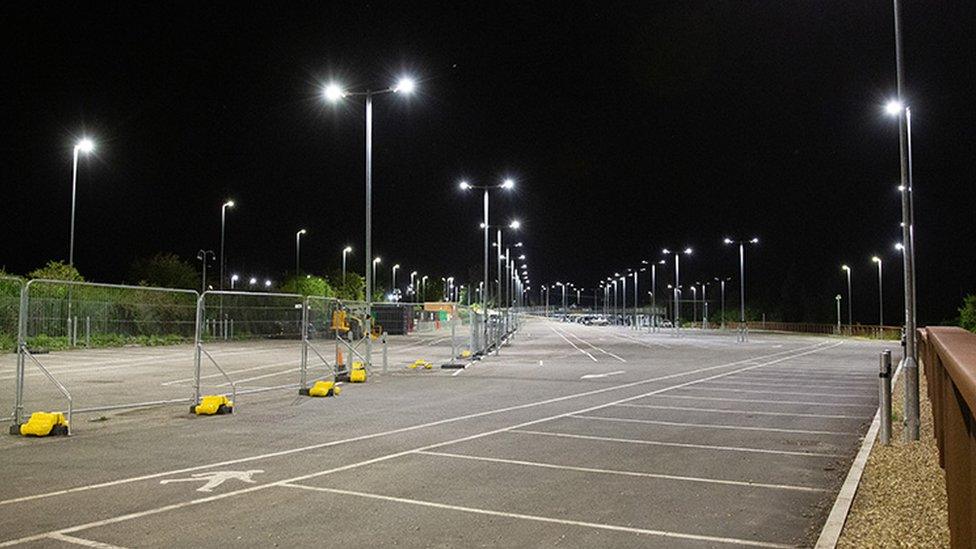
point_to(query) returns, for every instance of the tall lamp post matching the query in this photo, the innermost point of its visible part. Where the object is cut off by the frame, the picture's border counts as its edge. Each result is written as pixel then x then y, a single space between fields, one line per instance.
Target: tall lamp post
pixel 345 251
pixel 910 362
pixel 413 288
pixel 202 256
pixel 677 284
pixel 877 260
pixel 837 298
pixel 393 283
pixel 376 260
pixel 86 146
pixel 722 282
pixel 223 223
pixel 298 251
pixel 850 299
pixel 743 327
pixel 333 92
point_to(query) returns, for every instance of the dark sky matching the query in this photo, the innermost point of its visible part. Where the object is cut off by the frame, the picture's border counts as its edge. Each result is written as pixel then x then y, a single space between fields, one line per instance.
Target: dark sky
pixel 628 126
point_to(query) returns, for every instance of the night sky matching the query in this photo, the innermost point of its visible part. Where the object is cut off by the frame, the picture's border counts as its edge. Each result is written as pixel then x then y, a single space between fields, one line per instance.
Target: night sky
pixel 627 126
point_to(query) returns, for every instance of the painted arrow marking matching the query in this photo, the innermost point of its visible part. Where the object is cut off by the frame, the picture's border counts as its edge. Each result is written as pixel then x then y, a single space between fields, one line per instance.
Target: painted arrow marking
pixel 608 374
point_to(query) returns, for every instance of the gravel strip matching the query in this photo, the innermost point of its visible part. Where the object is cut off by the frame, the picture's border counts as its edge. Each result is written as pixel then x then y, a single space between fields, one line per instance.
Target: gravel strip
pixel 901 501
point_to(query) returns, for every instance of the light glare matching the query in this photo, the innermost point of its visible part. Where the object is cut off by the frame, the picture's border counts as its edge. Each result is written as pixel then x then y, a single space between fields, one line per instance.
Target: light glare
pixel 86 145
pixel 894 107
pixel 333 92
pixel 405 85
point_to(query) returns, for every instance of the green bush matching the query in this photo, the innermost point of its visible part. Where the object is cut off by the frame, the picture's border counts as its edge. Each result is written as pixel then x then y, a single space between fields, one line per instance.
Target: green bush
pixel 967 313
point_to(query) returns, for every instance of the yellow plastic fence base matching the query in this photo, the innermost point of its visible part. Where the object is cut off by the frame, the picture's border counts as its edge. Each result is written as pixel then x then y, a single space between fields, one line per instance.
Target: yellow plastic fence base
pixel 324 389
pixel 213 404
pixel 421 363
pixel 358 375
pixel 465 354
pixel 42 424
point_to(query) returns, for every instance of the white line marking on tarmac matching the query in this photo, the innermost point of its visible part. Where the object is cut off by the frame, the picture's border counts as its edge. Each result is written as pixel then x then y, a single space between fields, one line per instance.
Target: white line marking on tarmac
pixel 537 518
pixel 676 444
pixel 860 386
pixel 83 542
pixel 762 401
pixel 640 342
pixel 455 374
pixel 255 378
pixel 593 358
pixel 592 346
pixel 608 374
pixel 791 354
pixel 746 412
pixel 713 426
pixel 629 473
pixel 229 372
pixel 802 393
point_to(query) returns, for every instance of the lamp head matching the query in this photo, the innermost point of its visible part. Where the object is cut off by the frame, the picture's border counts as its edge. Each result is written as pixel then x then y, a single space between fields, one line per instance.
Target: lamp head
pixel 755 240
pixel 514 224
pixel 347 249
pixel 464 185
pixel 376 260
pixel 728 241
pixel 405 85
pixel 229 203
pixel 508 184
pixel 235 278
pixel 85 145
pixel 894 107
pixel 876 259
pixel 333 92
pixel 845 268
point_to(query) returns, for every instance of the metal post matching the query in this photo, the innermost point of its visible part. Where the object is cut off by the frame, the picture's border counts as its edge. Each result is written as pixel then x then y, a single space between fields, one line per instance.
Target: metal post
pixel 885 396
pixel 910 365
pixel 837 298
pixel 485 287
pixel 88 332
pixel 385 354
pixel 722 282
pixel 369 230
pixel 74 192
pixel 198 349
pixel 880 297
pixel 742 291
pixel 21 350
pixel 303 381
pixel 850 301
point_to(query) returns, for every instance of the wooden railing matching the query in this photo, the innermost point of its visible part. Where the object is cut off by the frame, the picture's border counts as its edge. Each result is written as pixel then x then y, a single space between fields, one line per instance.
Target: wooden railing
pixel 858 330
pixel 948 355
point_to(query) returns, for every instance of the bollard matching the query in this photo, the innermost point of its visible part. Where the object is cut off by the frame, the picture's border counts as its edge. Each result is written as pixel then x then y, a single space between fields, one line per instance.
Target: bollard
pixel 385 362
pixel 884 402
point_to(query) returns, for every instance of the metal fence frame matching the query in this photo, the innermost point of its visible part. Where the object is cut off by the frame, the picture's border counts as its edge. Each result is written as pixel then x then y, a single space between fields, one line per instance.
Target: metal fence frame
pixel 23 352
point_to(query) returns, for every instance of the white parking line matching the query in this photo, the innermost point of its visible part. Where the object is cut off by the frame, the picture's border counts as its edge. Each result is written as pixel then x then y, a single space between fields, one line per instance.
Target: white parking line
pixel 629 473
pixel 677 444
pixel 537 518
pixel 771 392
pixel 229 372
pixel 827 386
pixel 746 412
pixel 713 426
pixel 592 346
pixel 762 401
pixel 793 354
pixel 573 344
pixel 640 342
pixel 83 542
pixel 805 351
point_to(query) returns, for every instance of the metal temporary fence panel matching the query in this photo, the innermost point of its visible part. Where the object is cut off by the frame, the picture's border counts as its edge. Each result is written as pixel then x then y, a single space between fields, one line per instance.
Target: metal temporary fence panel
pixel 111 346
pixel 253 338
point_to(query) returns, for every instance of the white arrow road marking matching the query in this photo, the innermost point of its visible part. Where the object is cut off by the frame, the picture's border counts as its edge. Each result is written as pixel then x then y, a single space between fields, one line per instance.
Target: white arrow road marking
pixel 608 374
pixel 216 478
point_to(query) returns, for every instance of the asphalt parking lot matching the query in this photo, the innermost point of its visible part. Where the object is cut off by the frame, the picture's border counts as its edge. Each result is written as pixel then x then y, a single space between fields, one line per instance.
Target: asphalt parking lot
pixel 572 436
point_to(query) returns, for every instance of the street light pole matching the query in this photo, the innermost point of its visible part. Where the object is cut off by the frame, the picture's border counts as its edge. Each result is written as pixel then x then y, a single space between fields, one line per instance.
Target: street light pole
pixel 298 251
pixel 877 260
pixel 743 327
pixel 375 261
pixel 910 362
pixel 202 256
pixel 677 283
pixel 345 250
pixel 837 299
pixel 333 92
pixel 393 283
pixel 223 222
pixel 86 146
pixel 850 300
